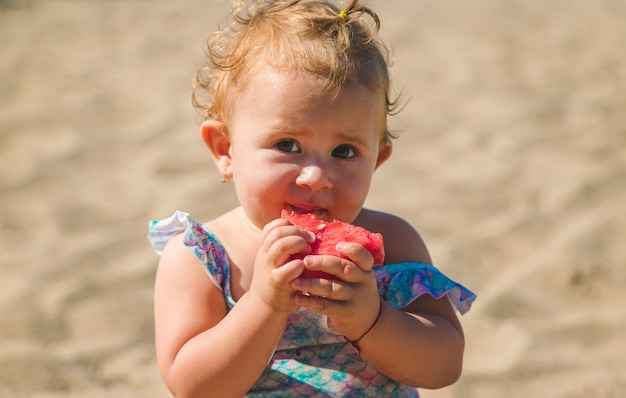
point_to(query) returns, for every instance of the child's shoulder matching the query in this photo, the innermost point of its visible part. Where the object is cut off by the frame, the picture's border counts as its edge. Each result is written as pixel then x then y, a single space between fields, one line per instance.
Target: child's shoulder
pixel 402 241
pixel 386 223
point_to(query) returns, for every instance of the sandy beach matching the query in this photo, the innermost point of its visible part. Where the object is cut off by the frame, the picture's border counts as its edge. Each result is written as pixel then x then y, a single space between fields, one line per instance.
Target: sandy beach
pixel 510 161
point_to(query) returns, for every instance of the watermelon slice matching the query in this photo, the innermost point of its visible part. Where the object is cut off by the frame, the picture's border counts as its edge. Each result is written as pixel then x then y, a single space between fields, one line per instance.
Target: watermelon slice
pixel 329 233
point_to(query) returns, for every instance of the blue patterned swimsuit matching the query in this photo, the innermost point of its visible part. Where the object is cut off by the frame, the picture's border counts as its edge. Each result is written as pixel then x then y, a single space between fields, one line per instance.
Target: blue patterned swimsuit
pixel 310 360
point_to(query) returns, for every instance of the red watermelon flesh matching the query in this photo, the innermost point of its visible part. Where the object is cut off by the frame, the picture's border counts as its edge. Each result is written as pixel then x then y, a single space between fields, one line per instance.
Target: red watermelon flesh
pixel 329 233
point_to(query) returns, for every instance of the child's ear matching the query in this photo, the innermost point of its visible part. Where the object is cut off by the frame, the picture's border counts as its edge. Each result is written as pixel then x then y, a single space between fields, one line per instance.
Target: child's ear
pixel 215 137
pixel 384 152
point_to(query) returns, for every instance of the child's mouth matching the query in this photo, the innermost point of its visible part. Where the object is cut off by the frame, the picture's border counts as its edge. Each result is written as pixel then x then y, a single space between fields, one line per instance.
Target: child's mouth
pixel 304 209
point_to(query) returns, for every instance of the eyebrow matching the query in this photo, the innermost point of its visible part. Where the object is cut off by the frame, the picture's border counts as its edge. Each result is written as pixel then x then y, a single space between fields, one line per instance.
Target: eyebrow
pixel 342 135
pixel 350 138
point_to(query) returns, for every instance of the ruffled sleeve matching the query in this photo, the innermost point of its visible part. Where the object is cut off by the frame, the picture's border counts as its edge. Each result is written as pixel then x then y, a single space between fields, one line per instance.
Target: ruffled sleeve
pixel 399 284
pixel 161 231
pixel 200 241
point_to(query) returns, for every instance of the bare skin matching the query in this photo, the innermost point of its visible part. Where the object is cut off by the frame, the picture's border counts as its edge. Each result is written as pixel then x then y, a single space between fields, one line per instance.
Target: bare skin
pixel 288 149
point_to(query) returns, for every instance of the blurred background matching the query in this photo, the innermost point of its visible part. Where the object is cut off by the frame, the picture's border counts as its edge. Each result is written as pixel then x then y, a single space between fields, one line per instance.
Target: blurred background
pixel 511 162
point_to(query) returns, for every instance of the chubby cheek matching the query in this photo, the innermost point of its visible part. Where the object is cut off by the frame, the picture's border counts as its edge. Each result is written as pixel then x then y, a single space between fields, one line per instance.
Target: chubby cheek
pixel 350 195
pixel 262 195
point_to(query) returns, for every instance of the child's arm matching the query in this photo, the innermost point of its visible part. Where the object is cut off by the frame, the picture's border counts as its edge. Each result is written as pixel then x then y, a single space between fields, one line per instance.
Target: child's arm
pixel 202 349
pixel 421 345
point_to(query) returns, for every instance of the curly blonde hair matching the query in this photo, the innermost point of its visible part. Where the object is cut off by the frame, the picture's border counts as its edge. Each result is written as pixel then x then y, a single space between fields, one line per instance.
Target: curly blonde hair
pixel 301 36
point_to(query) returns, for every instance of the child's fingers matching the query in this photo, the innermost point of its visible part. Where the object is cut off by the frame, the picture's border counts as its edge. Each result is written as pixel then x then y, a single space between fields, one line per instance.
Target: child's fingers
pixel 326 288
pixel 357 253
pixel 282 241
pixel 341 268
pixel 287 246
pixel 277 232
pixel 290 271
pixel 272 225
pixel 321 305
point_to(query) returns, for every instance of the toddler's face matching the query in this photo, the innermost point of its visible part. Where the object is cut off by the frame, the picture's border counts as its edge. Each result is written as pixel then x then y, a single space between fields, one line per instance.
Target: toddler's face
pixel 297 149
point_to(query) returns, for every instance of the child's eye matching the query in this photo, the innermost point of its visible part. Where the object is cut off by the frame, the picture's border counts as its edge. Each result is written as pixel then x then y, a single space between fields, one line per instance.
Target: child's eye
pixel 344 152
pixel 288 146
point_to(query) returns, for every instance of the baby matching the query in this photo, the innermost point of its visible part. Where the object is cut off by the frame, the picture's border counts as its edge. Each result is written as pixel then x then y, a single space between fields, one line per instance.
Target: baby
pixel 295 102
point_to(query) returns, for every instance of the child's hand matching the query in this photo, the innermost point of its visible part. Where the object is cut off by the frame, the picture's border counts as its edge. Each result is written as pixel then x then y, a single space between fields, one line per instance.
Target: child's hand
pixel 273 272
pixel 351 302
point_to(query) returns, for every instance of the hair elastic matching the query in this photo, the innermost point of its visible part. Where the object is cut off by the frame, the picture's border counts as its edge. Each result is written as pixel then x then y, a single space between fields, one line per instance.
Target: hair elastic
pixel 343 15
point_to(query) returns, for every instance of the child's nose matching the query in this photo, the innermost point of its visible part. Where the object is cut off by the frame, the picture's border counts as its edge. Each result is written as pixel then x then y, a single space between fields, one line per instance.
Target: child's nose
pixel 314 177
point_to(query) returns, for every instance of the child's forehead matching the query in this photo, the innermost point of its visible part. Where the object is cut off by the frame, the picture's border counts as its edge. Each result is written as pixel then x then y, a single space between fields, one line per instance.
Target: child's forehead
pixel 292 98
pixel 312 85
pixel 266 72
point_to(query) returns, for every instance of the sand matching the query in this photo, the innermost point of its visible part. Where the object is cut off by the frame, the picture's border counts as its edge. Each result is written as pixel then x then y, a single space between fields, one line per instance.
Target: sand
pixel 511 162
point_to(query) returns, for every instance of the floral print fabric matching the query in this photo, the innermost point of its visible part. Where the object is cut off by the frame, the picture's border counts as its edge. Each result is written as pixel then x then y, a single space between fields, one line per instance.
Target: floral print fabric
pixel 310 360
